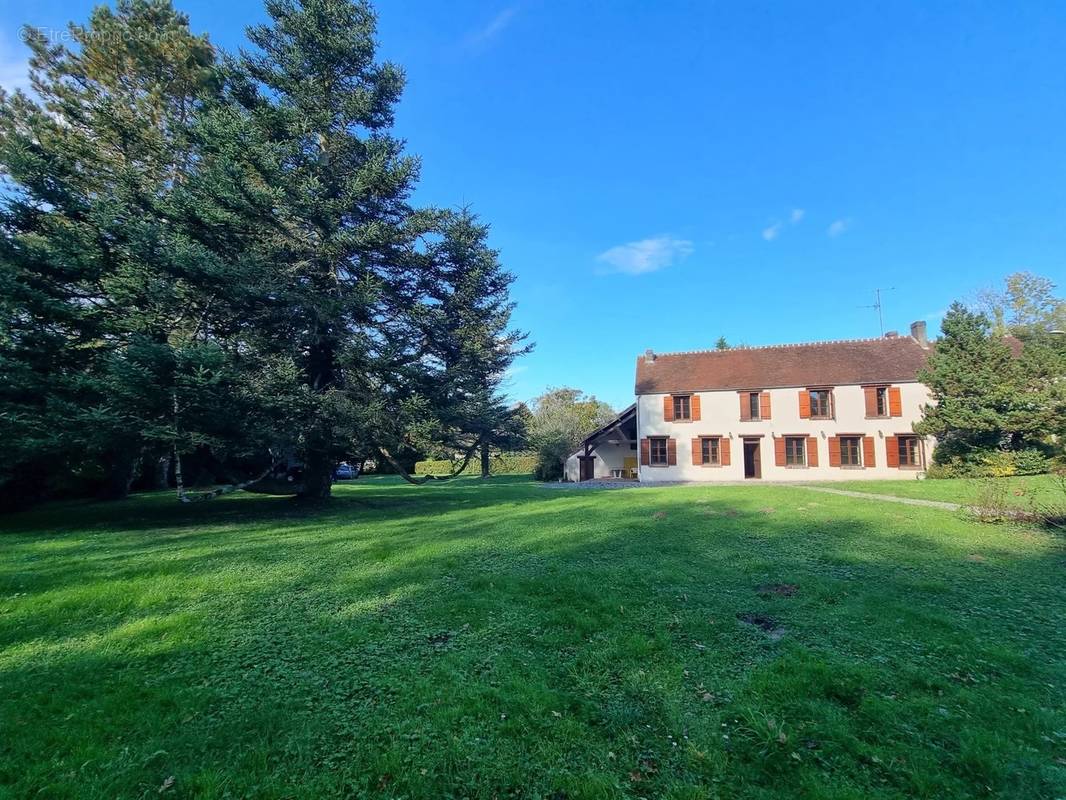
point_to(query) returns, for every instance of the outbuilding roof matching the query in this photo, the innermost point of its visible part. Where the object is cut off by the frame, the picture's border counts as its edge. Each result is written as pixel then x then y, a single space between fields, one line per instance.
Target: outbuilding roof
pixel 895 359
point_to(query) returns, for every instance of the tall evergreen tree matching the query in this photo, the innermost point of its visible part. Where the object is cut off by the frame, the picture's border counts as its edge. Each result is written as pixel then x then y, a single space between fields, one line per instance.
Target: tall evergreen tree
pixel 984 397
pixel 93 297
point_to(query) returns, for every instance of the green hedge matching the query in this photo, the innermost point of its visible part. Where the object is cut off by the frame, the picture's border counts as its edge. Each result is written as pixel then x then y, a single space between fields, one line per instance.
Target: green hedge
pixel 502 464
pixel 993 464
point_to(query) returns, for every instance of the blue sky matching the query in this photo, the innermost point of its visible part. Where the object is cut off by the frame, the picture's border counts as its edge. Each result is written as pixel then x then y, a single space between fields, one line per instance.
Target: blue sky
pixel 660 174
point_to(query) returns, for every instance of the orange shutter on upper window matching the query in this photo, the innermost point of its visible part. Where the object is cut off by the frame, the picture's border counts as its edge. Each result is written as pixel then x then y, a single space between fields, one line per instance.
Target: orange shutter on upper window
pixel 745 406
pixel 645 452
pixel 892 451
pixel 871 400
pixel 805 404
pixel 834 451
pixel 697 453
pixel 895 402
pixel 764 405
pixel 779 451
pixel 671 452
pixel 812 451
pixel 868 452
pixel 694 407
pixel 668 408
pixel 723 451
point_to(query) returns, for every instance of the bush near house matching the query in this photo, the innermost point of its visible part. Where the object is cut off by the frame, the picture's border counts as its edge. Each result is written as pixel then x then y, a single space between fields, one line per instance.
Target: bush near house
pixel 501 464
pixel 993 464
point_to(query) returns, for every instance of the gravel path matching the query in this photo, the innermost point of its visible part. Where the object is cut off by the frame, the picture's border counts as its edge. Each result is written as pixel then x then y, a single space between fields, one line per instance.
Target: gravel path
pixel 891 498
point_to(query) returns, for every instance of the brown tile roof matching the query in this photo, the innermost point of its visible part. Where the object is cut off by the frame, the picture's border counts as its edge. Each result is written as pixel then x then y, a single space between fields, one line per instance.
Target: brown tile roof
pixel 853 361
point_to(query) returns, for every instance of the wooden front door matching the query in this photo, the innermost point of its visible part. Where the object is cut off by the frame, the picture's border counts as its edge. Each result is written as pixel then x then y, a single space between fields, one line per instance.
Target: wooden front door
pixel 587 467
pixel 752 459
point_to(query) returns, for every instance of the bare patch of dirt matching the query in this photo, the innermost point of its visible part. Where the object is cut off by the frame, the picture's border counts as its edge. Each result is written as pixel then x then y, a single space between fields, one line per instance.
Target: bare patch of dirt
pixel 768 510
pixel 659 515
pixel 766 624
pixel 778 589
pixel 975 557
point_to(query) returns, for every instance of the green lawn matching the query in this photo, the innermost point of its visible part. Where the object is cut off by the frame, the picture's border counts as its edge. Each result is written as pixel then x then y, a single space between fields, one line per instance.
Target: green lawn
pixel 1020 492
pixel 506 640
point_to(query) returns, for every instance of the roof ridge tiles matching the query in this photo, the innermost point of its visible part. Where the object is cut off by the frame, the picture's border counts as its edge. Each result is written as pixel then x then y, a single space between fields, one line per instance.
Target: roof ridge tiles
pixel 779 346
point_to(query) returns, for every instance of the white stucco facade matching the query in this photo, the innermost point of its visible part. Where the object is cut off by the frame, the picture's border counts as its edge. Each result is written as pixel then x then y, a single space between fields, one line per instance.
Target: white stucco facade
pixel 608 457
pixel 720 416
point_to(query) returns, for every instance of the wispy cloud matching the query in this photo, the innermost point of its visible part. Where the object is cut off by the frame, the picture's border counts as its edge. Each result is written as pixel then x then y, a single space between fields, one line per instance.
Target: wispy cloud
pixel 838 227
pixel 647 255
pixel 772 232
pixel 494 28
pixel 14 69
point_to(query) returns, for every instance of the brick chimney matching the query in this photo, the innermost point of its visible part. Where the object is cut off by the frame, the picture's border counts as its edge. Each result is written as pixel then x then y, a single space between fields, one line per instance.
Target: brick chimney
pixel 649 356
pixel 918 333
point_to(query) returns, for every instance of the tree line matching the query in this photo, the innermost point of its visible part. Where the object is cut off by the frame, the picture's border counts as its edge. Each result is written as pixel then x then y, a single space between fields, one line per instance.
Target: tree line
pixel 212 260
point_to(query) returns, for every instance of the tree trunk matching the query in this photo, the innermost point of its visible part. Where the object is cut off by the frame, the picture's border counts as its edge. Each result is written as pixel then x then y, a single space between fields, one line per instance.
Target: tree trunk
pixel 484 459
pixel 317 476
pixel 121 471
pixel 162 472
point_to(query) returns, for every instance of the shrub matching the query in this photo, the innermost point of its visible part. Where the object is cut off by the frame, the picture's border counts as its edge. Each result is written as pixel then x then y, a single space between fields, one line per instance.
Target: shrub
pixel 992 464
pixel 500 464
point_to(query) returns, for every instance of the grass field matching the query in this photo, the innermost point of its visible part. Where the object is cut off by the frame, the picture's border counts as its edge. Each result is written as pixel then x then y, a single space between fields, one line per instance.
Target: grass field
pixel 504 640
pixel 1020 492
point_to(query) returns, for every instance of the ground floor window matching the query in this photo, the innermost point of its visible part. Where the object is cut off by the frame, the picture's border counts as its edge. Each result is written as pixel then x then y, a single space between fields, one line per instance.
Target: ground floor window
pixel 657 456
pixel 709 450
pixel 794 451
pixel 908 451
pixel 850 451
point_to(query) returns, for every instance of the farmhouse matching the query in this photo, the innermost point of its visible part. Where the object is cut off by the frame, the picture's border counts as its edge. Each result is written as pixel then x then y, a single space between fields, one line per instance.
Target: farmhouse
pixel 817 411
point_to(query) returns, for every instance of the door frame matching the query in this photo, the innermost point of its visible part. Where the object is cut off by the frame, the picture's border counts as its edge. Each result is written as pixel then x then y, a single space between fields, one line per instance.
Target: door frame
pixel 756 457
pixel 582 463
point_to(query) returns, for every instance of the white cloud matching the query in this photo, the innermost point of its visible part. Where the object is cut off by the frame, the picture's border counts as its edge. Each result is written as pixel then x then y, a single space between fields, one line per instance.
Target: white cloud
pixel 14 67
pixel 772 232
pixel 796 215
pixel 493 29
pixel 838 227
pixel 647 255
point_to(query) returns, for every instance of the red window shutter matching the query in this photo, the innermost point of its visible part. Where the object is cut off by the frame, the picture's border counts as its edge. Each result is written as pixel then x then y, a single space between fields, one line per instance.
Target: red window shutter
pixel 895 402
pixel 694 407
pixel 834 451
pixel 671 452
pixel 892 451
pixel 745 408
pixel 697 453
pixel 764 405
pixel 805 404
pixel 812 451
pixel 645 452
pixel 779 451
pixel 868 451
pixel 668 408
pixel 871 400
pixel 723 451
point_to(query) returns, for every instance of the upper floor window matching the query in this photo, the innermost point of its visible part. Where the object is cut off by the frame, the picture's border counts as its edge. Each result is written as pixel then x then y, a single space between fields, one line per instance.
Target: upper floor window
pixel 794 451
pixel 753 405
pixel 821 403
pixel 881 400
pixel 850 451
pixel 657 456
pixel 682 406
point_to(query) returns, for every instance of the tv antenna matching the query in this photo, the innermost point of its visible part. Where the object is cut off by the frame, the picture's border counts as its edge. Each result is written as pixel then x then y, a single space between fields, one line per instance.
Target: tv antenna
pixel 878 305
